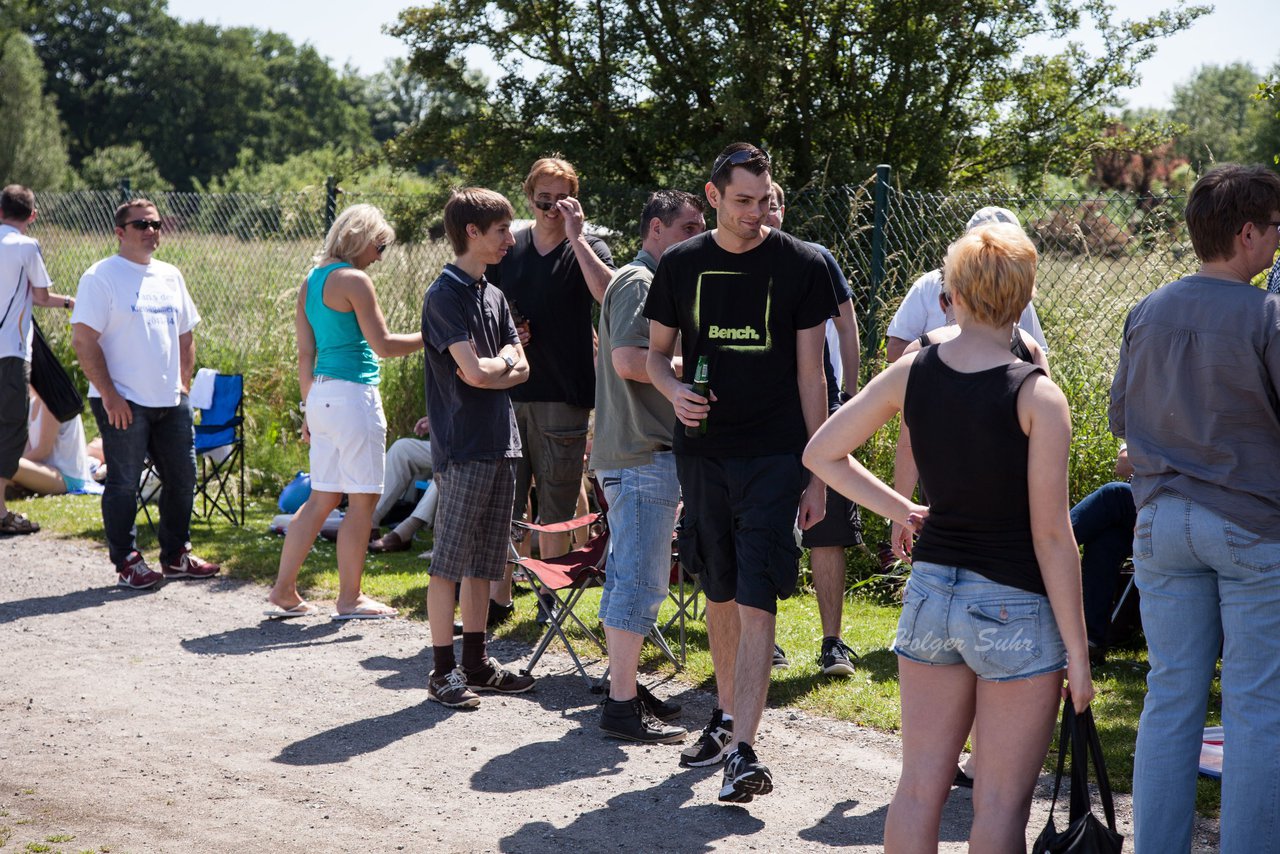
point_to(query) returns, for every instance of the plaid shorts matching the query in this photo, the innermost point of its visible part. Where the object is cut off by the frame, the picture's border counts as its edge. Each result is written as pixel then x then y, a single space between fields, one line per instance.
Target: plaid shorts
pixel 473 520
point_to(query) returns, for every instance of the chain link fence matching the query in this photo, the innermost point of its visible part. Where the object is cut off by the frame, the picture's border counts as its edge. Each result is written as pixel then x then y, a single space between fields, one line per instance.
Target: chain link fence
pixel 245 255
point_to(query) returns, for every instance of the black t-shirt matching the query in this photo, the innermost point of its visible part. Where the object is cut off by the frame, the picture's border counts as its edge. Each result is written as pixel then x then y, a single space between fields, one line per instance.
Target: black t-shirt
pixel 550 292
pixel 742 311
pixel 467 423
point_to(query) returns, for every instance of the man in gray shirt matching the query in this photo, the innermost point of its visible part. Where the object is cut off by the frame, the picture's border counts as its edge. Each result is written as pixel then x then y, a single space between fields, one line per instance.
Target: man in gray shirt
pixel 1197 397
pixel 631 455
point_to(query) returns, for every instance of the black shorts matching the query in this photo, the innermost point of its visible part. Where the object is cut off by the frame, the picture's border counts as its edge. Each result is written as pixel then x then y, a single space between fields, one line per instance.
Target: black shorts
pixel 736 534
pixel 15 409
pixel 841 527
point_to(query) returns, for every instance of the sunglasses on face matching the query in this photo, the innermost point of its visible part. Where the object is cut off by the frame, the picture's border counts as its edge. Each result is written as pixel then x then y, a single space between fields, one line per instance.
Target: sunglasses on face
pixel 738 158
pixel 546 204
pixel 144 224
pixel 381 247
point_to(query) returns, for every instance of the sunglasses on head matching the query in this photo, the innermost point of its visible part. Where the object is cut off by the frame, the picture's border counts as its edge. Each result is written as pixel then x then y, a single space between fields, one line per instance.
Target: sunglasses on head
pixel 737 158
pixel 145 224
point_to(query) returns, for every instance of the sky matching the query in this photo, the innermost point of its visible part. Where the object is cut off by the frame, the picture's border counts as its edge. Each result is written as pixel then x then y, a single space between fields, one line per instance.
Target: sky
pixel 345 32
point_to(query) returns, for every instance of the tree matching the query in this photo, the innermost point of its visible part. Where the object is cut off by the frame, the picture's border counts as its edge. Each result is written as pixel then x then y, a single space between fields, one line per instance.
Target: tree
pixel 645 91
pixel 1265 135
pixel 32 151
pixel 193 95
pixel 107 167
pixel 1217 110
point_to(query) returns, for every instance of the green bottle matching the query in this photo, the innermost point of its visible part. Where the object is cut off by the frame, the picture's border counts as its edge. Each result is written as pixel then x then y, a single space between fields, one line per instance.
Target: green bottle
pixel 701 386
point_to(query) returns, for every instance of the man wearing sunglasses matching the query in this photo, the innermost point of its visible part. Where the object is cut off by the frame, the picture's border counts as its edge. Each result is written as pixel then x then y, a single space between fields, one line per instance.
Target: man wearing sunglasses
pixel 133 325
pixel 551 278
pixel 24 282
pixel 754 303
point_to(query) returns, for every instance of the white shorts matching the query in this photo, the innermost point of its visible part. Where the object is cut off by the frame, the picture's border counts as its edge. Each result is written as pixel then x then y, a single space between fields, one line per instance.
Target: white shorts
pixel 348 436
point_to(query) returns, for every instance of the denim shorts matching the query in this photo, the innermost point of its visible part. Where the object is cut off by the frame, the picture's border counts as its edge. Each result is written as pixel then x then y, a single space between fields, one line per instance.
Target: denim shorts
pixel 956 616
pixel 642 516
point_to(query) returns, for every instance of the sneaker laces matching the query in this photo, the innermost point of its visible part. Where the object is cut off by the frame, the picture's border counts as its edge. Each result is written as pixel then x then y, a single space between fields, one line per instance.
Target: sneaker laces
pixel 838 645
pixel 455 679
pixel 716 722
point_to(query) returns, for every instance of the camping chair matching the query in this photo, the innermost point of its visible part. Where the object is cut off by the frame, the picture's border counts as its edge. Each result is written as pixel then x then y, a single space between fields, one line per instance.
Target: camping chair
pixel 562 580
pixel 686 594
pixel 222 427
pixel 219 444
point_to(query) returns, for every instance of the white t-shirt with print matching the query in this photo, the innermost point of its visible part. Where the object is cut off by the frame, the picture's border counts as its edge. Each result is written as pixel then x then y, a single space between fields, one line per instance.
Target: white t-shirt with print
pixel 21 269
pixel 920 312
pixel 139 310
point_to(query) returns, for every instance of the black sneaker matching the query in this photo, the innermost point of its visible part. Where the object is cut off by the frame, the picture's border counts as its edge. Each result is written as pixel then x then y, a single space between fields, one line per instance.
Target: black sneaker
pixel 712 746
pixel 492 676
pixel 962 780
pixel 499 614
pixel 630 720
pixel 836 659
pixel 780 660
pixel 745 776
pixel 451 690
pixel 660 709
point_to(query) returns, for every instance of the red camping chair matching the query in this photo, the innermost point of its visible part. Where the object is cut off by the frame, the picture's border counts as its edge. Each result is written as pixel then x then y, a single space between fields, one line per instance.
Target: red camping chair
pixel 562 581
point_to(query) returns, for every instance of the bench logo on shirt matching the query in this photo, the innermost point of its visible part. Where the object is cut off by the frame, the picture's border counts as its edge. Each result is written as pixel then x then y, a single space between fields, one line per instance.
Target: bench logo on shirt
pixel 733 309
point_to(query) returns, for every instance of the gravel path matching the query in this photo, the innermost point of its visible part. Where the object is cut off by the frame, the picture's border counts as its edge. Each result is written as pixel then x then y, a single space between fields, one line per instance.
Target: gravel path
pixel 178 720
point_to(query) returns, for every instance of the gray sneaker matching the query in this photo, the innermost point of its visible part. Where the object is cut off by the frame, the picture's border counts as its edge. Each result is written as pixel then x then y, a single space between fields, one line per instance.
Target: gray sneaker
pixel 451 690
pixel 780 660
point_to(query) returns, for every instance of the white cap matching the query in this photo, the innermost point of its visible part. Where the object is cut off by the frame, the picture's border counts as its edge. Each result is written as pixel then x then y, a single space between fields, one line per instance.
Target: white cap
pixel 989 215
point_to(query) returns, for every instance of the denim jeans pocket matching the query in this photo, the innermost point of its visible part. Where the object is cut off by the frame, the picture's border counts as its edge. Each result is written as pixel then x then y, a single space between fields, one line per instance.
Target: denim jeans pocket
pixel 1142 544
pixel 1249 550
pixel 912 602
pixel 1006 633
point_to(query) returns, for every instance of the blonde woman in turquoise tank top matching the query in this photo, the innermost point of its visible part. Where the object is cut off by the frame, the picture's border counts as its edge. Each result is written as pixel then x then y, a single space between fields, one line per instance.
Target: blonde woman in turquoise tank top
pixel 341 335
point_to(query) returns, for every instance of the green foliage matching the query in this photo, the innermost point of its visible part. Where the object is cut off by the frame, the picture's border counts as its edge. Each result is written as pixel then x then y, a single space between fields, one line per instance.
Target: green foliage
pixel 32 151
pixel 1217 110
pixel 831 87
pixel 193 95
pixel 1266 139
pixel 105 168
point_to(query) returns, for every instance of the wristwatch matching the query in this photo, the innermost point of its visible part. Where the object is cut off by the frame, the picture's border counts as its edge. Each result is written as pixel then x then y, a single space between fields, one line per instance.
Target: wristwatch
pixel 510 360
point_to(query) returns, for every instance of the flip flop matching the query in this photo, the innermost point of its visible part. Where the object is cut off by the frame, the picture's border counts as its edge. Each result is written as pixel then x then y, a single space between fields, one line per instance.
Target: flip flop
pixel 302 609
pixel 368 612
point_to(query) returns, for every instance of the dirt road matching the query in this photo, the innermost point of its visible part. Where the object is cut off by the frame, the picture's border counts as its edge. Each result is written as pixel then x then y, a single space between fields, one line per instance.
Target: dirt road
pixel 179 720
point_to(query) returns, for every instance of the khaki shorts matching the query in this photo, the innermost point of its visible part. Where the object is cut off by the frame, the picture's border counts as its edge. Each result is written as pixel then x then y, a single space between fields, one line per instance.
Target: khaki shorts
pixel 554 438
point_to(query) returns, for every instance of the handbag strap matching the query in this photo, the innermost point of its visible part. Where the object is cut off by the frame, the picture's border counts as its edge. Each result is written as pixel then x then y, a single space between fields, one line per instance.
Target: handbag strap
pixel 1100 767
pixel 1064 738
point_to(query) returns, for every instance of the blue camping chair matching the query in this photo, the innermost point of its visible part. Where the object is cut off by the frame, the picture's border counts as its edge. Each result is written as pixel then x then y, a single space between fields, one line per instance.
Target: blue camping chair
pixel 219 446
pixel 222 426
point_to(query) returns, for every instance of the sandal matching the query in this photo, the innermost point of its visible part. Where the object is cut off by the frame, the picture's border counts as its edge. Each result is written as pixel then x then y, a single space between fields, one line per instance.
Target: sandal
pixel 15 523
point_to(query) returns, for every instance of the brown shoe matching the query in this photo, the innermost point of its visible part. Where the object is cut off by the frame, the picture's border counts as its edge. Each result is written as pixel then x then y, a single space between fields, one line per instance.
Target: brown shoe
pixel 390 542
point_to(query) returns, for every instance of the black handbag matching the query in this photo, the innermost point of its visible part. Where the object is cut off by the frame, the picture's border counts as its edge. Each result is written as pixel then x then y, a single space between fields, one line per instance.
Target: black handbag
pixel 51 381
pixel 1085 834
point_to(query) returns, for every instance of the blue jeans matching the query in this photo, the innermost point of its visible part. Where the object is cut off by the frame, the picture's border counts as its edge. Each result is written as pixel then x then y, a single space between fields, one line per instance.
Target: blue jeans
pixel 1205 580
pixel 167 435
pixel 1103 526
pixel 642 516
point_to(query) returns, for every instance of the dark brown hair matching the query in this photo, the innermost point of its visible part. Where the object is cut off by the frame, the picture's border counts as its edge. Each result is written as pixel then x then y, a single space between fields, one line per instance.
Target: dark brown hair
pixel 721 170
pixel 122 212
pixel 1223 200
pixel 473 205
pixel 17 202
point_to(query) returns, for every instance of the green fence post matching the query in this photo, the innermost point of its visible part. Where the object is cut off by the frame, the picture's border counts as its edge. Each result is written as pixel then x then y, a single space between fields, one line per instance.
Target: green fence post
pixel 880 219
pixel 330 201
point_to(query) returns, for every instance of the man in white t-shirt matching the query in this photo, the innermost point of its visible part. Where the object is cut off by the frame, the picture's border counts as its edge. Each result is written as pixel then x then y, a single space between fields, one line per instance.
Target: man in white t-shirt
pixel 920 310
pixel 24 282
pixel 133 334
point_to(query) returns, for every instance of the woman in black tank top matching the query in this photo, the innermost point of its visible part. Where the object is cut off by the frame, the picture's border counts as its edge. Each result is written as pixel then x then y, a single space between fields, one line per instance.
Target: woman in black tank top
pixel 993 435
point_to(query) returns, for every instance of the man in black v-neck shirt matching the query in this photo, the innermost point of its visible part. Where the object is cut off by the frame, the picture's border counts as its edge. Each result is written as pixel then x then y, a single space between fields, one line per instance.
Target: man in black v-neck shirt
pixel 754 302
pixel 550 279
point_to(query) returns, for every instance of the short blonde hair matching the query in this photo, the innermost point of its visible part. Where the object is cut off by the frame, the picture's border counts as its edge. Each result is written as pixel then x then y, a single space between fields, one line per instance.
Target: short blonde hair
pixel 355 229
pixel 551 167
pixel 993 269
